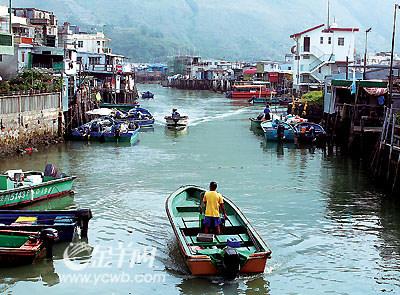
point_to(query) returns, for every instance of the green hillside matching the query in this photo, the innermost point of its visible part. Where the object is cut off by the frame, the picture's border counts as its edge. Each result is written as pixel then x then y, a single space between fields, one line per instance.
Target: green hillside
pixel 242 29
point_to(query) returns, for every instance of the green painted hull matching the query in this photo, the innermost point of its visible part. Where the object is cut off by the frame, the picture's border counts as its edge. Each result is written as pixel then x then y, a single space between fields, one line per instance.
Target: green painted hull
pixel 26 195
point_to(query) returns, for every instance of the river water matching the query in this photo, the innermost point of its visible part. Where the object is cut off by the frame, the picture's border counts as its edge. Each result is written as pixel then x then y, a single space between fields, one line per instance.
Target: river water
pixel 330 231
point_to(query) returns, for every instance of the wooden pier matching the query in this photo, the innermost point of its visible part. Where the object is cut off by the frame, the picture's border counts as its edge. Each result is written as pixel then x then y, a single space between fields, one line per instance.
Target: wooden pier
pixel 385 163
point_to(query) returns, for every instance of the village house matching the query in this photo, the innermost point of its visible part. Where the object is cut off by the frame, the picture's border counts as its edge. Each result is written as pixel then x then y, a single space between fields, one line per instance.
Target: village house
pixel 321 51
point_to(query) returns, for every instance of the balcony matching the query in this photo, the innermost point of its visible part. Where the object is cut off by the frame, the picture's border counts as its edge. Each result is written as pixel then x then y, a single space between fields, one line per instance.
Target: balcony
pixel 39 21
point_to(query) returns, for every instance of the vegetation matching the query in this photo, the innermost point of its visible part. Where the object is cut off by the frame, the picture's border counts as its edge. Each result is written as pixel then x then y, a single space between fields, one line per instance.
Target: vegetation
pixel 32 80
pixel 313 98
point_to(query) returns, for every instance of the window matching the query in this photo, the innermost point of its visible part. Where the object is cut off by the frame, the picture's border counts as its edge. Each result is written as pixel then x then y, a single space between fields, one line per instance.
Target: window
pixel 1 58
pixel 341 41
pixel 329 40
pixel 98 42
pixel 321 40
pixel 79 59
pixel 289 68
pixel 80 44
pixel 23 57
pixel 306 56
pixel 319 70
pixel 297 57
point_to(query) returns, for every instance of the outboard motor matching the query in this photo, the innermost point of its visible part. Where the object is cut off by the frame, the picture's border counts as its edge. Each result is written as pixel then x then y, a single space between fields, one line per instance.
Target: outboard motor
pixel 49 237
pixel 231 263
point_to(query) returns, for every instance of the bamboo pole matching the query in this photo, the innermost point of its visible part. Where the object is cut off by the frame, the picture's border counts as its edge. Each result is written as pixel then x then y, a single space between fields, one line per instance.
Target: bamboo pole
pixel 391 146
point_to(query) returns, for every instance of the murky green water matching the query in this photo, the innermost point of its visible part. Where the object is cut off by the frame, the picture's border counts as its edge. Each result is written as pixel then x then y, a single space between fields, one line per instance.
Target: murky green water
pixel 329 231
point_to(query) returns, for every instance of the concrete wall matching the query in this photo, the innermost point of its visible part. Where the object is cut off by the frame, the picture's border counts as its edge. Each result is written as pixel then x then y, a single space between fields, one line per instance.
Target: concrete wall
pixel 29 121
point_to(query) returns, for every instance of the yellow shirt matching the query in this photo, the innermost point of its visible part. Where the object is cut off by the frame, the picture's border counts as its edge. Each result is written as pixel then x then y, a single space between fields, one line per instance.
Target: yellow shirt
pixel 213 201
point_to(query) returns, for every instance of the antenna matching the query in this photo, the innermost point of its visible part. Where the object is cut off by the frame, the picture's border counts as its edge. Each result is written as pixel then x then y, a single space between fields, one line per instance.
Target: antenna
pixel 329 6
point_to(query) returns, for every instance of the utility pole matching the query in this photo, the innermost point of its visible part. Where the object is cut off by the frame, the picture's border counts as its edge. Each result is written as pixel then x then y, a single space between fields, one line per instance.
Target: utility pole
pixel 396 6
pixel 10 22
pixel 365 52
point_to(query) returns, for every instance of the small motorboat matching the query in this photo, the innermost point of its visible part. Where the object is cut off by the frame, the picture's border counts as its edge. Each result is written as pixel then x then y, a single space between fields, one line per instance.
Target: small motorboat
pixel 308 132
pixel 147 95
pixel 141 117
pixel 238 249
pixel 64 221
pixel 107 129
pixel 21 188
pixel 176 122
pixel 22 248
pixel 255 123
pixel 276 130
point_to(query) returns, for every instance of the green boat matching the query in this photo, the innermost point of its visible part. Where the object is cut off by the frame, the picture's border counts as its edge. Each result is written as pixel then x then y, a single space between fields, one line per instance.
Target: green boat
pixel 238 249
pixel 19 189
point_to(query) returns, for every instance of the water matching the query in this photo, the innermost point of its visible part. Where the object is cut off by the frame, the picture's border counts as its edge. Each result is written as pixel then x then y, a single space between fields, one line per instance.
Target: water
pixel 329 230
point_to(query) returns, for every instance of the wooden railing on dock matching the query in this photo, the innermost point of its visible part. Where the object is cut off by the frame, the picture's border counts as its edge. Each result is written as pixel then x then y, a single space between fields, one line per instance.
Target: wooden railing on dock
pixel 386 160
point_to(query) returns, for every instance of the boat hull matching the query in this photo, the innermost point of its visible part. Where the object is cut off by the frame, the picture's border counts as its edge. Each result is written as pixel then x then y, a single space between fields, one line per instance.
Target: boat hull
pixel 129 137
pixel 182 217
pixel 27 195
pixel 182 122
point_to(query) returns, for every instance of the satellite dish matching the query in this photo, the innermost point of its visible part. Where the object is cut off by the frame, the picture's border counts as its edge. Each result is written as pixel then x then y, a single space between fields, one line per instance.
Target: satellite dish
pixel 294 49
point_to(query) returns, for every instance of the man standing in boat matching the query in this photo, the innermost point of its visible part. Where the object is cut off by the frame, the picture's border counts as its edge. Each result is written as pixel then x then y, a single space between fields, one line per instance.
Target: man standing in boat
pixel 267 113
pixel 175 115
pixel 214 203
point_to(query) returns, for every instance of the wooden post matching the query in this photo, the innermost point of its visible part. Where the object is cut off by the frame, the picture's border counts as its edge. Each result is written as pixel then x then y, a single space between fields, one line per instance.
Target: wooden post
pixel 397 172
pixel 391 146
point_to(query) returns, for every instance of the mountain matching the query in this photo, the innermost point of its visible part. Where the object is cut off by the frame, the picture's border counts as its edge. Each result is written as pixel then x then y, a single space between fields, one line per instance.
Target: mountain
pixel 150 30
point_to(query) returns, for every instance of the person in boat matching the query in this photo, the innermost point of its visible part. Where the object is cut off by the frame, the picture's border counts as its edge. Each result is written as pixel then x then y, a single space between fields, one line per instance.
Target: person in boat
pixel 214 203
pixel 267 113
pixel 175 115
pixel 281 131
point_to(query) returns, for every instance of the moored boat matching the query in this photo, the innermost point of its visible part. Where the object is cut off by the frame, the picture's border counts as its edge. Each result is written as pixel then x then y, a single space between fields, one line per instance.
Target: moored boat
pixel 18 188
pixel 308 132
pixel 22 248
pixel 65 222
pixel 255 123
pixel 140 116
pixel 276 130
pixel 238 249
pixel 249 92
pixel 106 129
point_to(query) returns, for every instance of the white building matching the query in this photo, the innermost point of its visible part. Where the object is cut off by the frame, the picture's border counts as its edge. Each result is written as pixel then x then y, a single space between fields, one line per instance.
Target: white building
pixel 319 52
pixel 71 37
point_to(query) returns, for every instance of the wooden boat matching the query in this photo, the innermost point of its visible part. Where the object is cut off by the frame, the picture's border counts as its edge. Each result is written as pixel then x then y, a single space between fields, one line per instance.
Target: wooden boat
pixel 21 248
pixel 180 122
pixel 18 188
pixel 308 132
pixel 106 129
pixel 64 221
pixel 140 116
pixel 249 254
pixel 255 123
pixel 271 131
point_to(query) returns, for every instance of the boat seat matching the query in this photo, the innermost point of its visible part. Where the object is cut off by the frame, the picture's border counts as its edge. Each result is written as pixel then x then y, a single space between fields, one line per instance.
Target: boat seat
pixel 227 230
pixel 188 209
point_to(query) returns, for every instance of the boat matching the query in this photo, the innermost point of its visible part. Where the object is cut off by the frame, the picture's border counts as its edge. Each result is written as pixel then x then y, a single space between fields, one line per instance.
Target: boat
pixel 141 117
pixel 237 250
pixel 120 106
pixel 21 248
pixel 18 188
pixel 271 131
pixel 294 119
pixel 305 135
pixel 106 129
pixel 255 123
pixel 178 122
pixel 65 222
pixel 249 92
pixel 147 95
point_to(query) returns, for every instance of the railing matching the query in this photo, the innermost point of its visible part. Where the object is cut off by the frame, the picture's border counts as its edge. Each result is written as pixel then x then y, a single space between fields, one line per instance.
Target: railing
pixel 99 68
pixel 313 50
pixel 26 103
pixel 321 60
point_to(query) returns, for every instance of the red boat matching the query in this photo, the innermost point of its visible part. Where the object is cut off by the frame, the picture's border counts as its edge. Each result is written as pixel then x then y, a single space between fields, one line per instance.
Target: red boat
pixel 22 248
pixel 249 91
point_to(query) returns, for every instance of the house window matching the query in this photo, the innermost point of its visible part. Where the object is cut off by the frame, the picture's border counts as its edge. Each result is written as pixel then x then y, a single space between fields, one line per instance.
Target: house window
pixel 79 59
pixel 329 40
pixel 321 40
pixel 306 56
pixel 341 41
pixel 98 43
pixel 297 57
pixel 80 44
pixel 289 68
pixel 23 56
